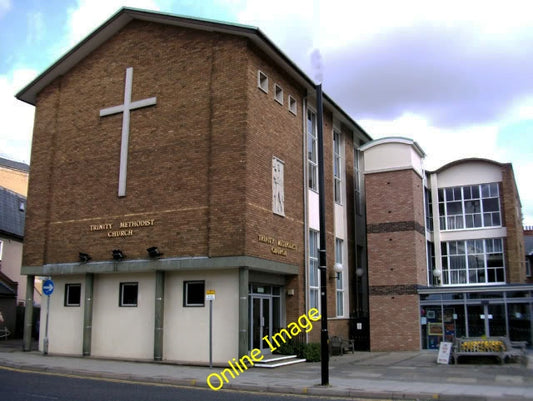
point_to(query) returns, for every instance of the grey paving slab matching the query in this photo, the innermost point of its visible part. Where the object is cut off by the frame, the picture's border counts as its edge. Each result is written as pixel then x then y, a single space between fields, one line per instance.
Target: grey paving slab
pixel 379 375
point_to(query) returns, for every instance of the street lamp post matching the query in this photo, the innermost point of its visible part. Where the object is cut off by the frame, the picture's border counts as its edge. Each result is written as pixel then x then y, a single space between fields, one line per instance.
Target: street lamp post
pixel 324 354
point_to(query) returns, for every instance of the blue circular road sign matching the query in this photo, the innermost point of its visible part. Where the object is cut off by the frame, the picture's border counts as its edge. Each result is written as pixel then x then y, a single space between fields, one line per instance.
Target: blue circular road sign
pixel 48 287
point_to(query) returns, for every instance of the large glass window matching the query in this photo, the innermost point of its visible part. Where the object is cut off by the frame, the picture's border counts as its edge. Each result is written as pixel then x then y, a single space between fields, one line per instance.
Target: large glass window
pixel 477 261
pixel 312 159
pixel 314 277
pixel 337 166
pixel 470 206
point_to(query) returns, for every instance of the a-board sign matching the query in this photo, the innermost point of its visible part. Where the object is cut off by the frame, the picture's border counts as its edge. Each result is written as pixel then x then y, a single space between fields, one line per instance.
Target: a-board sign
pixel 445 350
pixel 210 295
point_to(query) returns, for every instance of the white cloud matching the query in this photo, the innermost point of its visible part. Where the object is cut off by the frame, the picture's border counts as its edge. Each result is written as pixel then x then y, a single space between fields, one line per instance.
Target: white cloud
pixel 90 14
pixel 5 6
pixel 36 27
pixel 17 123
pixel 440 145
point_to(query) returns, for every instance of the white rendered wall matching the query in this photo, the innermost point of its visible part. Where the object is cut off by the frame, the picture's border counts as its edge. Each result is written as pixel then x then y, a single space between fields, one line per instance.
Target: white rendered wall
pixel 123 332
pixel 186 333
pixel 469 173
pixel 65 324
pixel 470 233
pixel 391 156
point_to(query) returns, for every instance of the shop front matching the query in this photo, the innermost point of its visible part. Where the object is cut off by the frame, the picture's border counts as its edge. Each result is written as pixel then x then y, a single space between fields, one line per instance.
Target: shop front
pixel 446 314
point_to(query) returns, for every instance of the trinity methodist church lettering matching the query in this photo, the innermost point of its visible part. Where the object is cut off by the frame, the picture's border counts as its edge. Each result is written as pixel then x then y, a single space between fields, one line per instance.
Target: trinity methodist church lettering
pixel 126 227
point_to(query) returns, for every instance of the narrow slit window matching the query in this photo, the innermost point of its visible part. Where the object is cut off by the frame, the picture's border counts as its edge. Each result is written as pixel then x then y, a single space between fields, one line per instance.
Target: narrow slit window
pixel 262 82
pixel 293 108
pixel 278 95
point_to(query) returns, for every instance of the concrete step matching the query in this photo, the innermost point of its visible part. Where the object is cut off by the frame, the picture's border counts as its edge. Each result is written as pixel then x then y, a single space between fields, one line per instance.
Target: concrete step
pixel 275 361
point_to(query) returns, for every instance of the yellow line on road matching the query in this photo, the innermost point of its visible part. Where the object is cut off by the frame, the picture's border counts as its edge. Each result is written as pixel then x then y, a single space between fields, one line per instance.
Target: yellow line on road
pixel 192 386
pixel 106 379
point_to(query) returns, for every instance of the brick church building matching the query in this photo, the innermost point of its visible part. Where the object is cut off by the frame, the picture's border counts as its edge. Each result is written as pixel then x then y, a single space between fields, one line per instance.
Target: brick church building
pixel 174 156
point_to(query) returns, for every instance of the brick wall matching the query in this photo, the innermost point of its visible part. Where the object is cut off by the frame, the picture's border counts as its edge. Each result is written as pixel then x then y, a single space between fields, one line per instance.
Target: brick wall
pixel 396 258
pixel 394 323
pixel 200 160
pixel 191 164
pixel 512 220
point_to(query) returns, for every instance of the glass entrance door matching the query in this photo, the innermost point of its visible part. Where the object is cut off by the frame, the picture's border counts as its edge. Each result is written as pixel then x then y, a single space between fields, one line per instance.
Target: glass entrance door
pixel 486 320
pixel 261 312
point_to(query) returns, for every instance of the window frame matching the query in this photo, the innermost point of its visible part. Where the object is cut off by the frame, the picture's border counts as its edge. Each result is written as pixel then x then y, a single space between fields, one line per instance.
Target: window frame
pixel 337 166
pixel 357 181
pixel 278 94
pixel 339 280
pixel 186 285
pixel 262 81
pixel 121 302
pixel 66 301
pixel 312 154
pixel 313 270
pixel 292 105
pixel 468 253
pixel 464 197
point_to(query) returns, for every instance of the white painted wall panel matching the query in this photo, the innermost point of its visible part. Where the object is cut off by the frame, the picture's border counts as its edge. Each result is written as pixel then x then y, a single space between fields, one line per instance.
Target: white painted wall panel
pixel 186 335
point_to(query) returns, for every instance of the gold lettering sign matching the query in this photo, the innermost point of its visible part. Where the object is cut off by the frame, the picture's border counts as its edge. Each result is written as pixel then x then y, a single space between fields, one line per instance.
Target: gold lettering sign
pixel 125 228
pixel 278 246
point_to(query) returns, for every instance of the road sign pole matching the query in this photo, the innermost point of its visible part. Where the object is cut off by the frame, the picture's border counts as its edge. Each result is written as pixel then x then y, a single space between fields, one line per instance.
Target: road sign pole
pixel 45 341
pixel 48 289
pixel 210 333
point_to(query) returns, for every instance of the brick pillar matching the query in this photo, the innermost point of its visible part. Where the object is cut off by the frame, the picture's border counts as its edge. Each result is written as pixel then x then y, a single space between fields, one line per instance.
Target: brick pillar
pixel 512 220
pixel 396 258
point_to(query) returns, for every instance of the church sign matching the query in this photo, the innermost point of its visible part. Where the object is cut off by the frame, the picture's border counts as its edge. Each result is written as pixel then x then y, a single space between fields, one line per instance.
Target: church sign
pixel 125 228
pixel 277 246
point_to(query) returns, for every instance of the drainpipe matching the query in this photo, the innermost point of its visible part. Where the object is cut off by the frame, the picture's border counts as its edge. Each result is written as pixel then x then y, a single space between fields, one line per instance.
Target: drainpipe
pixel 159 314
pixel 28 313
pixel 88 314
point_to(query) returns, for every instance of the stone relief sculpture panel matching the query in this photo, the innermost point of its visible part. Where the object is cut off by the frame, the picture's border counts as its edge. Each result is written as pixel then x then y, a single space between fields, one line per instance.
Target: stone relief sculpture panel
pixel 278 191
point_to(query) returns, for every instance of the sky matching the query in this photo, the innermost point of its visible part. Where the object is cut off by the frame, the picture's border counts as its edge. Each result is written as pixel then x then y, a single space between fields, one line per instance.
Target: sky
pixel 455 76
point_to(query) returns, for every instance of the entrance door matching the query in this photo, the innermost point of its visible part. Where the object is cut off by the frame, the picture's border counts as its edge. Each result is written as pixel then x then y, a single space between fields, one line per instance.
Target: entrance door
pixel 261 312
pixel 486 320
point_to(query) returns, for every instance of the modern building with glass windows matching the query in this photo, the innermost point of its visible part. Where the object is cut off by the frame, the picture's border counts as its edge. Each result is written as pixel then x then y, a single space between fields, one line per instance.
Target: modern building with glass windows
pixel 450 244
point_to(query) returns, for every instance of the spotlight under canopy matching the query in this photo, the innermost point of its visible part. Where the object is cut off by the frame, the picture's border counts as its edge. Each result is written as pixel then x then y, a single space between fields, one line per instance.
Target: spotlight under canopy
pixel 118 255
pixel 153 252
pixel 84 257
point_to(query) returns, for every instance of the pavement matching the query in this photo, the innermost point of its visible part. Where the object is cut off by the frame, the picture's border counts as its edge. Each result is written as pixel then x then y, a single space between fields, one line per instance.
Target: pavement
pixel 361 375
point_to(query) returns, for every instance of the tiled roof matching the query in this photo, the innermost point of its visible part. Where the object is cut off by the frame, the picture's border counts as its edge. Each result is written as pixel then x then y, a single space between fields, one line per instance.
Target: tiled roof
pixel 528 244
pixel 12 213
pixel 14 165
pixel 5 290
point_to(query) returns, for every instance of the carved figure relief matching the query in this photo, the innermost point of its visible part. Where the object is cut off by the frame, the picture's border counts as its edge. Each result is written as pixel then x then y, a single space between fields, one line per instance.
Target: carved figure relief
pixel 278 191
